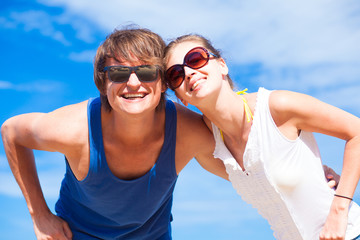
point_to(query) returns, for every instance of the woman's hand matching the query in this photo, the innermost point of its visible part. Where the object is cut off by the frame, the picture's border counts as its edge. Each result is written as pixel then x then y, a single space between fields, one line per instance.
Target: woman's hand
pixel 336 222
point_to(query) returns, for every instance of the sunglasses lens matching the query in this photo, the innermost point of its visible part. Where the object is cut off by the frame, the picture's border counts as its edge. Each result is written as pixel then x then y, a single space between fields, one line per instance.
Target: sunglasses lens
pixel 119 74
pixel 196 58
pixel 147 73
pixel 175 76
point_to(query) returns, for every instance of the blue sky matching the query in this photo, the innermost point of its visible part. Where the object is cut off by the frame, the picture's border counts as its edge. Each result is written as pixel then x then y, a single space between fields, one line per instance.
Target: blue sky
pixel 47 49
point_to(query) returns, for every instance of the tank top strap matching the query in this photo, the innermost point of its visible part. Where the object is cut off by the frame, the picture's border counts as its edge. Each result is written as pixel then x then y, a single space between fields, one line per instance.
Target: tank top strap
pixel 97 154
pixel 168 149
pixel 170 113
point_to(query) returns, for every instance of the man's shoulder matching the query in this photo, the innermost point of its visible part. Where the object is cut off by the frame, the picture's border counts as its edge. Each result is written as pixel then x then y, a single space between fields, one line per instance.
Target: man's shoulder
pixel 190 123
pixel 71 111
pixel 65 124
pixel 193 138
pixel 187 115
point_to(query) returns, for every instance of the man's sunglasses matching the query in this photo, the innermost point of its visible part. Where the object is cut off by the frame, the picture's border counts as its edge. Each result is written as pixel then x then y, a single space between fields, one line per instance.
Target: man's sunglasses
pixel 121 74
pixel 196 58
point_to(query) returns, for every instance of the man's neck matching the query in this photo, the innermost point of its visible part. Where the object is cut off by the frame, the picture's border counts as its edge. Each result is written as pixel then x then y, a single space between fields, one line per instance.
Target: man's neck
pixel 133 129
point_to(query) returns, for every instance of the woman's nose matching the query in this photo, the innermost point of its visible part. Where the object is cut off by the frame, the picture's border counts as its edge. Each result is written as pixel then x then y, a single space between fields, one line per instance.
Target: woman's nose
pixel 189 72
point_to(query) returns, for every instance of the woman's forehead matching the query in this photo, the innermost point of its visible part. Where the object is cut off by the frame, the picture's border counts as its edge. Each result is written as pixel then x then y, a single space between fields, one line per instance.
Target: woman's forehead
pixel 188 45
pixel 178 52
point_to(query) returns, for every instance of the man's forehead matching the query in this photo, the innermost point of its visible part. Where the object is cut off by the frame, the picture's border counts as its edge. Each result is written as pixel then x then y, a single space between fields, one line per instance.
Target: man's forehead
pixel 120 60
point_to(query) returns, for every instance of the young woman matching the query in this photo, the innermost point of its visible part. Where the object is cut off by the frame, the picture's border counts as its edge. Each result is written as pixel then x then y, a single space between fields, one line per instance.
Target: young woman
pixel 265 140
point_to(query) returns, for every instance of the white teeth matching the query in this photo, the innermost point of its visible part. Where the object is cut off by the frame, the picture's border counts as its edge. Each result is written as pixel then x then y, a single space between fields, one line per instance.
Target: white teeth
pixel 195 85
pixel 133 95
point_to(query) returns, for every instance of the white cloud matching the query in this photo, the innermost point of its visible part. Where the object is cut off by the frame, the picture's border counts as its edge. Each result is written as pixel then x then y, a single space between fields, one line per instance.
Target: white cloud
pixel 51 169
pixel 295 32
pixel 10 188
pixel 272 31
pixel 345 97
pixel 83 29
pixel 85 56
pixel 49 25
pixel 309 77
pixel 276 34
pixel 6 85
pixel 5 23
pixel 36 86
pixel 50 182
pixel 38 21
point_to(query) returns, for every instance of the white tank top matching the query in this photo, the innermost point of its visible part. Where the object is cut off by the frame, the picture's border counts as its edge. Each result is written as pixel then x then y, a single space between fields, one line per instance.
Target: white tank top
pixel 283 179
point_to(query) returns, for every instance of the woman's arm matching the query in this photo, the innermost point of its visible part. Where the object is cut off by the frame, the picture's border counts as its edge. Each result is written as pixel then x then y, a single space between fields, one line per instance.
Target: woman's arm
pixel 293 112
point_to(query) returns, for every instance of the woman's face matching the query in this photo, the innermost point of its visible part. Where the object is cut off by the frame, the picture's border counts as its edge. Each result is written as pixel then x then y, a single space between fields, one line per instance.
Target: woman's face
pixel 198 83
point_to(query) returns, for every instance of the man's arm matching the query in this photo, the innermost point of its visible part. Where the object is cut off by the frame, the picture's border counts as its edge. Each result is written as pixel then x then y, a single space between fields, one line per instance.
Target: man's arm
pixel 194 140
pixel 21 134
pixel 19 139
pixel 332 177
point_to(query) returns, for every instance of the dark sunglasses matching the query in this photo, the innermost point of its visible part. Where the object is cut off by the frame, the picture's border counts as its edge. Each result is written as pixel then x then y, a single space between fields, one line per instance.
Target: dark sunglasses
pixel 121 74
pixel 196 58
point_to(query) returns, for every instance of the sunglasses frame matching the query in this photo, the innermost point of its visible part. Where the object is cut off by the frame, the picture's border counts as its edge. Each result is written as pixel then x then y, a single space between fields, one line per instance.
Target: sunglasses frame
pixel 133 69
pixel 208 53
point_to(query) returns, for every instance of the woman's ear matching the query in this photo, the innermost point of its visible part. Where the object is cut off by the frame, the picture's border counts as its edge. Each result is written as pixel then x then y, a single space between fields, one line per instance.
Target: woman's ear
pixel 182 100
pixel 223 66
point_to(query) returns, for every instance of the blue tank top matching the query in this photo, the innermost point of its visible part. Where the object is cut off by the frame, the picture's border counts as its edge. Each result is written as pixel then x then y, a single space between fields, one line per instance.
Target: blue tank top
pixel 103 206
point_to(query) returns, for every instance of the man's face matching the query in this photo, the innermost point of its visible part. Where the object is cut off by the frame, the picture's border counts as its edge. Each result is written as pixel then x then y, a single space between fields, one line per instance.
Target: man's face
pixel 133 96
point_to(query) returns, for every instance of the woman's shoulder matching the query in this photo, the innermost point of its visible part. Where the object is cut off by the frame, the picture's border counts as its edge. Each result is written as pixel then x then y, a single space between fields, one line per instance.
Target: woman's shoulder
pixel 285 101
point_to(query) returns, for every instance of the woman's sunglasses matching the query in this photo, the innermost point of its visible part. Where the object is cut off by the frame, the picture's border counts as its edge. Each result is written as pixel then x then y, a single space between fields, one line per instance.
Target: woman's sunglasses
pixel 121 74
pixel 196 58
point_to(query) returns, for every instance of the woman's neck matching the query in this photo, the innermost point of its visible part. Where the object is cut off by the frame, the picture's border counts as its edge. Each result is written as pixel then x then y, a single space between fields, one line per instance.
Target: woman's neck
pixel 226 111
